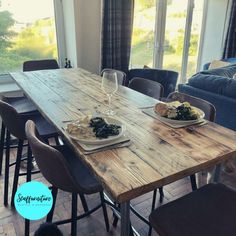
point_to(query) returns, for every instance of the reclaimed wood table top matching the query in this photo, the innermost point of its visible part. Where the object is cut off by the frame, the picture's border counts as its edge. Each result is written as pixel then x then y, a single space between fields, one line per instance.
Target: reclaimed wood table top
pixel 158 154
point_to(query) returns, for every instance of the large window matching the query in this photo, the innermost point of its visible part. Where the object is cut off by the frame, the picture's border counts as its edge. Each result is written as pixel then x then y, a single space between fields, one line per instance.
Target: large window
pixel 27 32
pixel 168 34
pixel 143 33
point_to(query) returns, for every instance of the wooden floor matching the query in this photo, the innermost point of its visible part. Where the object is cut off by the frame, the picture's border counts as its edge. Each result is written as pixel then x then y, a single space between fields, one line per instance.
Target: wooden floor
pixel 13 224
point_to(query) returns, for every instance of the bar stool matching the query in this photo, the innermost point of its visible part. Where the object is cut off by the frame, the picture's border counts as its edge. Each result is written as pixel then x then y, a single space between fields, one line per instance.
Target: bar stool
pixel 121 76
pixel 22 104
pixel 210 210
pixel 210 113
pixel 15 125
pixel 148 87
pixel 65 171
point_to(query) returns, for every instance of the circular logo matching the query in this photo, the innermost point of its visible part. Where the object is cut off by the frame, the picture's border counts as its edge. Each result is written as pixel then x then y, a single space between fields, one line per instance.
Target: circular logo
pixel 33 200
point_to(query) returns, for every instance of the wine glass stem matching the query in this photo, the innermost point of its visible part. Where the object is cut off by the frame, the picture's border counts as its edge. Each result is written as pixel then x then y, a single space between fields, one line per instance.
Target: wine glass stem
pixel 109 101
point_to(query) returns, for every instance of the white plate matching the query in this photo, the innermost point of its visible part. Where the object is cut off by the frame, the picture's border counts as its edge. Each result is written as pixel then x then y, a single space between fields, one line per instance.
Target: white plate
pixel 97 141
pixel 182 122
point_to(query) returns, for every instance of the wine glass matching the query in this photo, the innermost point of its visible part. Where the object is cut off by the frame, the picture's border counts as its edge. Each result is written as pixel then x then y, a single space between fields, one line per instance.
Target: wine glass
pixel 109 87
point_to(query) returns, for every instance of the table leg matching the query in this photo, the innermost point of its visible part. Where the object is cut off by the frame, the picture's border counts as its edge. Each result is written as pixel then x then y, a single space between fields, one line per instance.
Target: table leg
pixel 216 177
pixel 125 218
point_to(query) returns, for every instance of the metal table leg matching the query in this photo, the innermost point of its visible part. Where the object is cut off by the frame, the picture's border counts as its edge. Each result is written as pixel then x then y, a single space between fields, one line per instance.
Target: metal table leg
pixel 125 218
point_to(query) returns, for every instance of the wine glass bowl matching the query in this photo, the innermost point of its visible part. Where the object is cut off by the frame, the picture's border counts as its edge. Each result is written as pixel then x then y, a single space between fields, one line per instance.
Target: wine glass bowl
pixel 109 87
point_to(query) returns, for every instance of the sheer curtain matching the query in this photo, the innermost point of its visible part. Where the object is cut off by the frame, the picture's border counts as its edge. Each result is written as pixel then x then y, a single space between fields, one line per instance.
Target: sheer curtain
pixel 230 42
pixel 117 29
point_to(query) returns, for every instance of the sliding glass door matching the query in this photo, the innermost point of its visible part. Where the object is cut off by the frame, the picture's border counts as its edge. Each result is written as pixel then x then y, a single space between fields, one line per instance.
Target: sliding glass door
pixel 167 35
pixel 143 33
pixel 176 13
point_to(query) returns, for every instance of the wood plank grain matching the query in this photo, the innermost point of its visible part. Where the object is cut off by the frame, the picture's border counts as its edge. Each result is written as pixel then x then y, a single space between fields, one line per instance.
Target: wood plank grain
pixel 158 154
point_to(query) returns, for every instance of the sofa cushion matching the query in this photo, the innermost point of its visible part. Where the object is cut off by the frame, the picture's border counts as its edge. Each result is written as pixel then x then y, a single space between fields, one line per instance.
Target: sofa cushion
pixel 227 71
pixel 218 64
pixel 214 83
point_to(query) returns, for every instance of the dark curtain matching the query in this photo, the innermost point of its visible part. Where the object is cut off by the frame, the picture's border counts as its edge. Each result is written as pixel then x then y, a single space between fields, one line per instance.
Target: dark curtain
pixel 117 29
pixel 230 43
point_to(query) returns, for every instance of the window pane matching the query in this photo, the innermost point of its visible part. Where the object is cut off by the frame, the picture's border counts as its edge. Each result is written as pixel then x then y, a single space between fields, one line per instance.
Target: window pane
pixel 143 33
pixel 27 32
pixel 195 37
pixel 174 34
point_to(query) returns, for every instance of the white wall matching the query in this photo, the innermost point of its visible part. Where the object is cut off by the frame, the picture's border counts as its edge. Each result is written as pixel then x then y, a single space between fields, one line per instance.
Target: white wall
pixel 88 28
pixel 82 21
pixel 70 31
pixel 214 31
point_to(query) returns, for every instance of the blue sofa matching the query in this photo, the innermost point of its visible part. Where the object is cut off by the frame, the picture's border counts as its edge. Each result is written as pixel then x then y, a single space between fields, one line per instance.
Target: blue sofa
pixel 218 87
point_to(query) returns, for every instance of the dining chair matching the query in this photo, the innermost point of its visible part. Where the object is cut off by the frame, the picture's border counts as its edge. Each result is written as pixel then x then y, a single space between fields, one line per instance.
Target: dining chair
pixel 207 107
pixel 147 87
pixel 22 104
pixel 47 64
pixel 121 76
pixel 166 78
pixel 210 210
pixel 210 113
pixel 62 168
pixel 15 125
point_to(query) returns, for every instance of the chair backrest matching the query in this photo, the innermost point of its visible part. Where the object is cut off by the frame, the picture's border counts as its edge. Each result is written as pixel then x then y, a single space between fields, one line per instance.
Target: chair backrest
pixel 12 120
pixel 207 107
pixel 50 161
pixel 121 76
pixel 40 65
pixel 147 87
pixel 166 78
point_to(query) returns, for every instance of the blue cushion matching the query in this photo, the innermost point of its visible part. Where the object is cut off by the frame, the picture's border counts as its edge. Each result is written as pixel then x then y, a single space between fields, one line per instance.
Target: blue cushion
pixel 215 84
pixel 227 71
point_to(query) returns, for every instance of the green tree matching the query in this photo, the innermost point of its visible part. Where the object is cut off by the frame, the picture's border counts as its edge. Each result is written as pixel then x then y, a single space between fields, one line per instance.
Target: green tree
pixel 37 40
pixel 6 34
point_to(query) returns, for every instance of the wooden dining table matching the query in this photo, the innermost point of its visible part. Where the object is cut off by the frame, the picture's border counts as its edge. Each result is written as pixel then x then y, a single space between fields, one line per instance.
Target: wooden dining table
pixel 158 154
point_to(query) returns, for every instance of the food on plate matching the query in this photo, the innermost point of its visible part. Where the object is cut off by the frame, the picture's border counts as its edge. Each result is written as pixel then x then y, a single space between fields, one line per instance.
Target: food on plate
pixel 103 129
pixel 162 109
pixel 92 128
pixel 177 111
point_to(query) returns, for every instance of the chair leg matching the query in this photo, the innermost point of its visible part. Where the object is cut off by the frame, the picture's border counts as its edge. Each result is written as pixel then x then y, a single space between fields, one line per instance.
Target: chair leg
pixel 57 141
pixel 7 160
pixel 27 227
pixel 193 182
pixel 153 207
pixel 17 170
pixel 83 201
pixel 104 211
pixel 161 192
pixel 115 220
pixel 54 195
pixel 3 131
pixel 74 214
pixel 29 164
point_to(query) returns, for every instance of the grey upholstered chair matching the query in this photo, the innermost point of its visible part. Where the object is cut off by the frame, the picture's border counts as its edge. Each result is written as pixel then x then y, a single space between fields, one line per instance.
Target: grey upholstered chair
pixel 147 87
pixel 166 78
pixel 15 125
pixel 121 76
pixel 210 113
pixel 209 210
pixel 65 171
pixel 22 104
